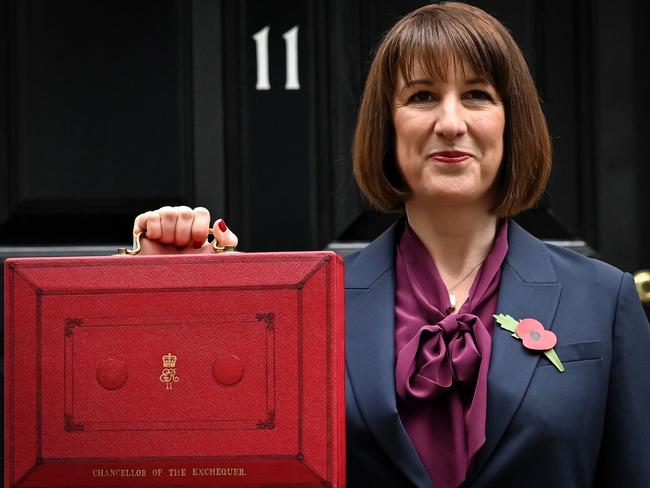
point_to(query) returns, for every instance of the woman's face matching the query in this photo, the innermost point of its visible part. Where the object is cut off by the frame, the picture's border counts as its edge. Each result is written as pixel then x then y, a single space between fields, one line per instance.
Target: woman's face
pixel 448 138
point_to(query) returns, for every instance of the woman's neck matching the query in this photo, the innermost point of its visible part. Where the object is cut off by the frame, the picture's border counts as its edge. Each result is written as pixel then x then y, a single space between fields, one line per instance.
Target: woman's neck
pixel 457 239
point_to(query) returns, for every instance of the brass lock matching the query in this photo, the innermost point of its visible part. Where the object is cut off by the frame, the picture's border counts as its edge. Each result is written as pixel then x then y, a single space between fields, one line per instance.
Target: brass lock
pixel 642 282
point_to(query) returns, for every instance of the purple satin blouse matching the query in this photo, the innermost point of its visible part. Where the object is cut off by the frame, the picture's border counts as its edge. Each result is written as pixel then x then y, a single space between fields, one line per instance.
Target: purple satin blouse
pixel 442 359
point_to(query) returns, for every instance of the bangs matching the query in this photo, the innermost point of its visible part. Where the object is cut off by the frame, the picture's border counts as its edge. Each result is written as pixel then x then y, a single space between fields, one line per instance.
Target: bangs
pixel 445 43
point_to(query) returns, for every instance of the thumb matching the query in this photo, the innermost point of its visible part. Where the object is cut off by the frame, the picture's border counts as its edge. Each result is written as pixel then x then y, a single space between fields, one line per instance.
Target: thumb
pixel 224 236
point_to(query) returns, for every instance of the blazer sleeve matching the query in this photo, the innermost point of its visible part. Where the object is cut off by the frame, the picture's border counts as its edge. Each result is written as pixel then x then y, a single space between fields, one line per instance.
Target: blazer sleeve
pixel 624 456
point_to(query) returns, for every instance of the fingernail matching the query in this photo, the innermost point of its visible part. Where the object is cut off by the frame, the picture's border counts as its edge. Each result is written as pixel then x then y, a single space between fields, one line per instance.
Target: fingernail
pixel 197 244
pixel 222 226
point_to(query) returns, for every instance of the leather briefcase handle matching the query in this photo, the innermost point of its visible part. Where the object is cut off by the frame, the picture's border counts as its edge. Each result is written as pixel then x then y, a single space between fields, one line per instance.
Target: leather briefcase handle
pixel 137 248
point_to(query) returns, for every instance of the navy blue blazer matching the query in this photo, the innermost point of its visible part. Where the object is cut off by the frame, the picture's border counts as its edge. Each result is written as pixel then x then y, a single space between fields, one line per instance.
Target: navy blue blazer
pixel 589 426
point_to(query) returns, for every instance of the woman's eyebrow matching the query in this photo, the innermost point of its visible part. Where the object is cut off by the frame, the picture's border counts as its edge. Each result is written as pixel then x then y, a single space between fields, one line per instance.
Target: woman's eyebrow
pixel 477 81
pixel 410 83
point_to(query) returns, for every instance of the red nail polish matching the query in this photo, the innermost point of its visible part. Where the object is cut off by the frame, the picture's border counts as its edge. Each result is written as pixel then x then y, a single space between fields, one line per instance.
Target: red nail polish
pixel 222 226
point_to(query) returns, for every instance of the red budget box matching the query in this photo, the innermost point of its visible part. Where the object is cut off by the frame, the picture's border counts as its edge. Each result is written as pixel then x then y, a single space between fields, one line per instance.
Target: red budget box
pixel 201 370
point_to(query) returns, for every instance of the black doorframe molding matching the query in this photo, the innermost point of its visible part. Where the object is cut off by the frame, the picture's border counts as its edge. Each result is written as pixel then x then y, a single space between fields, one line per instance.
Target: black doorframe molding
pixel 207 69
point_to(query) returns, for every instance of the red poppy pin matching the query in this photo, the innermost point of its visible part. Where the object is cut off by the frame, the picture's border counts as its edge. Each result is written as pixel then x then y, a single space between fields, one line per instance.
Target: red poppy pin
pixel 533 335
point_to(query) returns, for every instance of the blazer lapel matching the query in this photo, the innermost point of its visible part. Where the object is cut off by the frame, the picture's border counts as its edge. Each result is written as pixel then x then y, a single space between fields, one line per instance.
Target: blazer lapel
pixel 370 290
pixel 528 289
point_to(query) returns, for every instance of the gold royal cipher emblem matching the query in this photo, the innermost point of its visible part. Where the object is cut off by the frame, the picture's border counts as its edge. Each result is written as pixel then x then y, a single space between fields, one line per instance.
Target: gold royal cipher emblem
pixel 168 375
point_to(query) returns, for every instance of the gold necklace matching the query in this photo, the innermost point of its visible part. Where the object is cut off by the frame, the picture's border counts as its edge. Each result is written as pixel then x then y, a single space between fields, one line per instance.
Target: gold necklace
pixel 452 296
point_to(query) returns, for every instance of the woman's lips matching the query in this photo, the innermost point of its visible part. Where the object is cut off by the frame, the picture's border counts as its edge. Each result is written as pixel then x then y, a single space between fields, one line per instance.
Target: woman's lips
pixel 450 157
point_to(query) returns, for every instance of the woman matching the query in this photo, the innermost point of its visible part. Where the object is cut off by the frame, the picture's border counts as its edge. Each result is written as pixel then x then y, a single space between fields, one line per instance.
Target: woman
pixel 439 393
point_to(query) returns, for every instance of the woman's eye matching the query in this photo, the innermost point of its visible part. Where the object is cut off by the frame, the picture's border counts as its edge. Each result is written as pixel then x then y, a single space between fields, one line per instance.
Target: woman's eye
pixel 421 97
pixel 478 95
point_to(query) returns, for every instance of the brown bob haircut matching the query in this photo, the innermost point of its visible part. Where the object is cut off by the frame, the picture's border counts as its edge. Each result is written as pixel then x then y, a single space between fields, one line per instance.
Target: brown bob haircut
pixel 437 37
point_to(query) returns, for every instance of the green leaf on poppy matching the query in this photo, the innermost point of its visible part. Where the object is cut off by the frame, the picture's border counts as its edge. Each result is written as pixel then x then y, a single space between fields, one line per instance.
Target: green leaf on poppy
pixel 555 359
pixel 507 322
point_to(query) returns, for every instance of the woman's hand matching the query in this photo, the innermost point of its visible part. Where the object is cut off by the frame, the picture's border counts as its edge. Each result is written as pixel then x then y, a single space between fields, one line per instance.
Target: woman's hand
pixel 172 230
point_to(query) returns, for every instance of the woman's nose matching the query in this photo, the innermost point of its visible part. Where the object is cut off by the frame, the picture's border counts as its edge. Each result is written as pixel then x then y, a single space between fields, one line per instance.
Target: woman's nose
pixel 450 120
